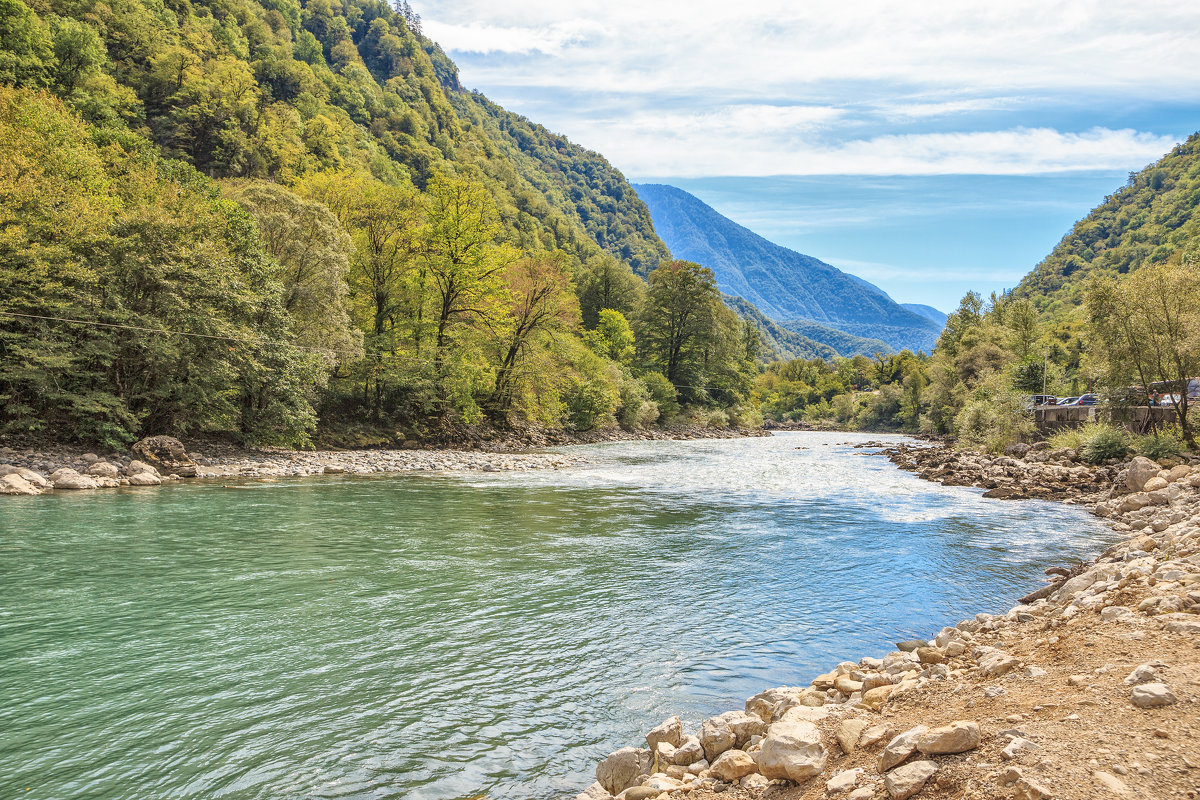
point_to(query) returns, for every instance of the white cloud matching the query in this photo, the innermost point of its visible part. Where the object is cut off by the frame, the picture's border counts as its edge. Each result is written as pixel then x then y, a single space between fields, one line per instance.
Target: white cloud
pixel 767 87
pixel 477 38
pixel 704 146
pixel 756 45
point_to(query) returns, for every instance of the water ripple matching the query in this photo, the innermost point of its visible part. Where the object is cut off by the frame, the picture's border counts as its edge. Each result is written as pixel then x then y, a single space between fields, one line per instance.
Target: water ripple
pixel 445 636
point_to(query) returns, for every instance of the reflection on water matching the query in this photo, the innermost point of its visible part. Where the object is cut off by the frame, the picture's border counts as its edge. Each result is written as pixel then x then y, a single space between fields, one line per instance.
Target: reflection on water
pixel 442 637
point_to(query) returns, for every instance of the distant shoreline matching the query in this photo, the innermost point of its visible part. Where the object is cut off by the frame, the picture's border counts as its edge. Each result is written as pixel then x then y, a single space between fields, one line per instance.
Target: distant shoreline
pixel 215 460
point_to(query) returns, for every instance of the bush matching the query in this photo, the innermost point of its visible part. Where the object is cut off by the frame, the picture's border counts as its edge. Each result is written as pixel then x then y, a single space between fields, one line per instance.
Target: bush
pixel 745 415
pixel 716 418
pixel 1067 439
pixel 664 394
pixel 1166 444
pixel 1102 442
pixel 993 422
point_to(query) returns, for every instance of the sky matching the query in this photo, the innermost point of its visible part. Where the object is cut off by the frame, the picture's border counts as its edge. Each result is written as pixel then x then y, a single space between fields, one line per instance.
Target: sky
pixel 930 147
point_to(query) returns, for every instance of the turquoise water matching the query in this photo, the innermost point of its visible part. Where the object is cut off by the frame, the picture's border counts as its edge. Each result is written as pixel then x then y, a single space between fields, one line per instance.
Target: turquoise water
pixel 456 635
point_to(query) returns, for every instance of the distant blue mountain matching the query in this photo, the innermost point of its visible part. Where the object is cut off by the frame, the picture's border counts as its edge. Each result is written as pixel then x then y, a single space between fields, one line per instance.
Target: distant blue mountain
pixel 929 312
pixel 785 285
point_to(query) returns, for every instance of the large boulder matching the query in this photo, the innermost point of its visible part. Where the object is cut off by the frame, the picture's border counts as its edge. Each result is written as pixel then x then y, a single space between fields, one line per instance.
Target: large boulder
pixel 792 751
pixel 67 478
pixel 744 726
pixel 136 467
pixel 716 737
pixel 901 747
pixel 144 479
pixel 13 483
pixel 622 769
pixel 689 752
pixel 103 469
pixel 957 737
pixel 594 792
pixel 1141 470
pixel 670 731
pixel 733 764
pixel 166 454
pixel 904 782
pixel 35 478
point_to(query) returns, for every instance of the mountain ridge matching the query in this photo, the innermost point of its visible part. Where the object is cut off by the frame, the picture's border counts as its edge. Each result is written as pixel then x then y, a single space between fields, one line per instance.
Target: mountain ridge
pixel 785 285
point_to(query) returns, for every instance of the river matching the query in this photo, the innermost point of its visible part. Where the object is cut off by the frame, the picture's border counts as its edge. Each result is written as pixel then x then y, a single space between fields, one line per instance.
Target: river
pixel 446 636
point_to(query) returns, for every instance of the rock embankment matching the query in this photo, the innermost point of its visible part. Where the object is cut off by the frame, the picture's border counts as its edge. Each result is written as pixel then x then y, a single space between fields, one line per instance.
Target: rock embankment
pixel 162 459
pixel 1088 689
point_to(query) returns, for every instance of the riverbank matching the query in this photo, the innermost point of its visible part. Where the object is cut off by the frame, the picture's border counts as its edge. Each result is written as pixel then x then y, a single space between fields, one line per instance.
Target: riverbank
pixel 31 471
pixel 1087 689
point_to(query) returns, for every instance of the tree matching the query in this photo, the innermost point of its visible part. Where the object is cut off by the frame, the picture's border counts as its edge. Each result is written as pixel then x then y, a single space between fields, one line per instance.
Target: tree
pixel 465 264
pixel 26 49
pixel 677 323
pixel 312 252
pixel 386 278
pixel 541 305
pixel 1148 326
pixel 612 337
pixel 605 283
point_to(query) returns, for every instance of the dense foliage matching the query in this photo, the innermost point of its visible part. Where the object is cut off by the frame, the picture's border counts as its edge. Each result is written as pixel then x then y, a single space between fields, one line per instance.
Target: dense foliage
pixel 1149 220
pixel 272 219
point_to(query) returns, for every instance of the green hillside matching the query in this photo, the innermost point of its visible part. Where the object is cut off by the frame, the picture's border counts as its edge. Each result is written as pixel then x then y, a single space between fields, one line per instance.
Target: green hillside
pixel 778 343
pixel 277 219
pixel 1149 220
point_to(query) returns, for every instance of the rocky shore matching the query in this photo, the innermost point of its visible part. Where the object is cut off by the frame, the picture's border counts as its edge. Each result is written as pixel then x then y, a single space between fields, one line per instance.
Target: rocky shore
pixel 1089 688
pixel 160 459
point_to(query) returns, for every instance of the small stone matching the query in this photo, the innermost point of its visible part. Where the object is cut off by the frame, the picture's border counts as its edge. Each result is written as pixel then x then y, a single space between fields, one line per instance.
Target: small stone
pixel 957 737
pixel 843 781
pixel 1153 695
pixel 873 735
pixel 875 698
pixel 1016 747
pixel 641 793
pixel 144 479
pixel 910 645
pixel 847 685
pixel 864 793
pixel 903 782
pixel 930 655
pixel 1143 673
pixel 1111 782
pixel 1035 672
pixel 1027 789
pixel 1078 680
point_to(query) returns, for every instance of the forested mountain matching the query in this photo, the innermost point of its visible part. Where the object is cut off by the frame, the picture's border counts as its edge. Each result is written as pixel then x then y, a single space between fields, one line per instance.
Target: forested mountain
pixel 929 312
pixel 1149 220
pixel 784 284
pixel 844 344
pixel 256 216
pixel 779 343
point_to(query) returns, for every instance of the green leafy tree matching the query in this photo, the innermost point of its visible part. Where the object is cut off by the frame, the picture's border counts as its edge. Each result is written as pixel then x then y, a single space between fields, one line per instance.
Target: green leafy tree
pixel 1147 327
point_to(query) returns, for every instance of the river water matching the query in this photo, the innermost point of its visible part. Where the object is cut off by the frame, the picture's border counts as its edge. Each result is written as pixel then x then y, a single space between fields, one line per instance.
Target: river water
pixel 463 635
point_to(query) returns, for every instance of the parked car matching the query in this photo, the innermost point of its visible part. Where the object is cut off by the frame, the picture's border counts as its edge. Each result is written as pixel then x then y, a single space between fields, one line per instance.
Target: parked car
pixel 1068 401
pixel 1087 400
pixel 1043 400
